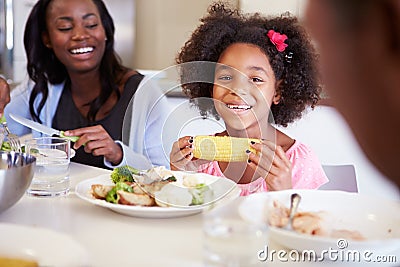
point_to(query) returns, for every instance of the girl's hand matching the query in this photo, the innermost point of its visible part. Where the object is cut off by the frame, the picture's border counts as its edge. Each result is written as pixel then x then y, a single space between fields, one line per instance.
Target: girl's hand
pixel 181 153
pixel 181 156
pixel 98 142
pixel 271 162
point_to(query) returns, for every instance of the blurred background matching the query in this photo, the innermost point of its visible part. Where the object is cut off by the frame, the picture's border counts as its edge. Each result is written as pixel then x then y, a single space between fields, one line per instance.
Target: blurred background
pixel 149 33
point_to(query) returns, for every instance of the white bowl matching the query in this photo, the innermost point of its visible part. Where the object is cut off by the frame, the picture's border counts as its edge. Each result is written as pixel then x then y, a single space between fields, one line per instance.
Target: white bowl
pixel 378 220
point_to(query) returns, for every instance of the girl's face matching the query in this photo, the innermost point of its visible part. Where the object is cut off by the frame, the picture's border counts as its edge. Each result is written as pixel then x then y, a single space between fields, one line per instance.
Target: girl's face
pixel 244 87
pixel 75 33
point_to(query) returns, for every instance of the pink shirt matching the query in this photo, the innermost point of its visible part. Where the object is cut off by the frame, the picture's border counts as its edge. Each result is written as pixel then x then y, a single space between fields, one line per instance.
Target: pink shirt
pixel 306 170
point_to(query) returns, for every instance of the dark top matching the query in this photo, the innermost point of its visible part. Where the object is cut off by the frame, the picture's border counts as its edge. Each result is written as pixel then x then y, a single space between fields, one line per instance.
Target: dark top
pixel 68 117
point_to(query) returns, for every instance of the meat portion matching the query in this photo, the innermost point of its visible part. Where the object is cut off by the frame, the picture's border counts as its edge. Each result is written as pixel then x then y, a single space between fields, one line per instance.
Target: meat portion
pixel 100 191
pixel 311 223
pixel 127 198
pixel 278 215
pixel 149 188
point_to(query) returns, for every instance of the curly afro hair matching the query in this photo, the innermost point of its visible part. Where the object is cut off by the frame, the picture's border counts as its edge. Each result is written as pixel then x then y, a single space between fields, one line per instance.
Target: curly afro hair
pixel 295 67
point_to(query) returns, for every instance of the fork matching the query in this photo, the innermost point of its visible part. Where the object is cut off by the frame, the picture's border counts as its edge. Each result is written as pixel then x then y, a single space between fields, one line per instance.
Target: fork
pixel 294 203
pixel 13 139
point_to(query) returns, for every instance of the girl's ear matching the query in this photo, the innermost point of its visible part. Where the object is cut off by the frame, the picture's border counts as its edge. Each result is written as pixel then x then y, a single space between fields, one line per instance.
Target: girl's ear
pixel 277 95
pixel 46 39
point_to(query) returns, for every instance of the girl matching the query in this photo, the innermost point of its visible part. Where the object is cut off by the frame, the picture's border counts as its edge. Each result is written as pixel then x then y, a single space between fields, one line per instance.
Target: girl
pixel 264 74
pixel 77 83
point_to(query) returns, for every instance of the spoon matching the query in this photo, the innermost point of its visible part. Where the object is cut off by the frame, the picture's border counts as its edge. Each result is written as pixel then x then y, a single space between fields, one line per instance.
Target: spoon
pixel 294 203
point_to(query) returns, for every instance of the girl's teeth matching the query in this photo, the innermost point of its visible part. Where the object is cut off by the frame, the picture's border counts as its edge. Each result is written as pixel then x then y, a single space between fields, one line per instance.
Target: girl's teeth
pixel 82 50
pixel 238 106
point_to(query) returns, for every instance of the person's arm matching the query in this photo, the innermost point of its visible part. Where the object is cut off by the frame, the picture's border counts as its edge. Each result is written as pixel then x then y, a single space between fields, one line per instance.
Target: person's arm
pixel 19 105
pixel 146 145
pixel 131 158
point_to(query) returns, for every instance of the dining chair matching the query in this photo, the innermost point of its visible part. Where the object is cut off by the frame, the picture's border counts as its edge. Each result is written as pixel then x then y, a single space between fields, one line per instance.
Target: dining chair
pixel 341 177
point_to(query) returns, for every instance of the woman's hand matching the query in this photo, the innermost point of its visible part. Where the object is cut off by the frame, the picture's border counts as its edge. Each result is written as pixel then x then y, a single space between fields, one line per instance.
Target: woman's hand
pixel 98 142
pixel 4 95
pixel 271 162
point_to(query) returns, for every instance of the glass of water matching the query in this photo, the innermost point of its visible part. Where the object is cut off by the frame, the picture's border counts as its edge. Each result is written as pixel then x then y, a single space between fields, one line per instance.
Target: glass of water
pixel 51 176
pixel 229 240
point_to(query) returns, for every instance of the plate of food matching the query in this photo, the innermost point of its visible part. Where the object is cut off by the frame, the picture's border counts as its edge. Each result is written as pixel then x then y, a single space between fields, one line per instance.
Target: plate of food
pixel 329 221
pixel 156 193
pixel 36 246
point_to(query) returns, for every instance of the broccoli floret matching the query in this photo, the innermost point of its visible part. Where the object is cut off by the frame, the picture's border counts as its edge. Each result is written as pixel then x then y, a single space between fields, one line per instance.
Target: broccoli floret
pixel 124 174
pixel 112 195
pixel 198 194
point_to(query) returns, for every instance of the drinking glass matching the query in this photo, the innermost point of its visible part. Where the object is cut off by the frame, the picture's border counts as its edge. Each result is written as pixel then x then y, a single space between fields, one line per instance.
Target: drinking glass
pixel 229 240
pixel 51 177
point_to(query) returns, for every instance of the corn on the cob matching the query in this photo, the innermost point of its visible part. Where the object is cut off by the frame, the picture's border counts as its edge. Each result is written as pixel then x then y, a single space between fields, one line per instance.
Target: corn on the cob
pixel 222 148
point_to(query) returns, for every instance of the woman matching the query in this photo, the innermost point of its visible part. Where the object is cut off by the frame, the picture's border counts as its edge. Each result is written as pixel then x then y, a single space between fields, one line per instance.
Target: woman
pixel 77 82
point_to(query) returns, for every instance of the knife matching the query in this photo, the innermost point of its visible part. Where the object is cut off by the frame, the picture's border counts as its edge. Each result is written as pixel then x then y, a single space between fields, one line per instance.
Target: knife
pixel 42 128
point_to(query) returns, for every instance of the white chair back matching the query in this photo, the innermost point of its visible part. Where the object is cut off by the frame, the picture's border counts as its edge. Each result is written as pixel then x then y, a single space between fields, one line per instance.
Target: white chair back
pixel 341 177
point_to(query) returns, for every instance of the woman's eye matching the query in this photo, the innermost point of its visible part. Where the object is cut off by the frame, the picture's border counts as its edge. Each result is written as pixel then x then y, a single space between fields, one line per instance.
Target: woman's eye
pixel 91 26
pixel 64 29
pixel 225 78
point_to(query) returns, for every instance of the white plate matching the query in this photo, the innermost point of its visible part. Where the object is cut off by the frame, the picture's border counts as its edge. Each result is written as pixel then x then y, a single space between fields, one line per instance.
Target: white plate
pixel 223 189
pixel 378 220
pixel 46 247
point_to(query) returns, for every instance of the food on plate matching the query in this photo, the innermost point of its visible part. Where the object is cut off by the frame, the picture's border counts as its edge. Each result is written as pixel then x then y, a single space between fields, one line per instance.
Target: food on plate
pixel 123 174
pixel 312 223
pixel 192 191
pixel 100 191
pixel 222 148
pixel 155 187
pixel 129 198
pixel 16 262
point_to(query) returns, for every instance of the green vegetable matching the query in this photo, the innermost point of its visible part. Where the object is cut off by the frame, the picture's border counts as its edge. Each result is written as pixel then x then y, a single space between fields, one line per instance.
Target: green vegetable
pixel 113 197
pixel 170 179
pixel 2 119
pixel 71 138
pixel 5 146
pixel 198 194
pixel 124 174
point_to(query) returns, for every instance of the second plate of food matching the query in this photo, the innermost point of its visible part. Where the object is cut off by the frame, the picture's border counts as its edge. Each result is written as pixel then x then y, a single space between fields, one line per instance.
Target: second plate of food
pixel 329 221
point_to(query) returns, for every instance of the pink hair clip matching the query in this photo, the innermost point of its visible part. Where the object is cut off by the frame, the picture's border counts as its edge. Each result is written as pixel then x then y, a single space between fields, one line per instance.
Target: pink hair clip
pixel 278 40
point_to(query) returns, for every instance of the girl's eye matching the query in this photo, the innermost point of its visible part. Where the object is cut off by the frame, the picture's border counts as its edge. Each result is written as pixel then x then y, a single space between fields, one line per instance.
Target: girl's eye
pixel 256 80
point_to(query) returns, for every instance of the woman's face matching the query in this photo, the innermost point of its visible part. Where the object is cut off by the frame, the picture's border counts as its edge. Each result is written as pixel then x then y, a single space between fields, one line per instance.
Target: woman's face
pixel 75 34
pixel 244 86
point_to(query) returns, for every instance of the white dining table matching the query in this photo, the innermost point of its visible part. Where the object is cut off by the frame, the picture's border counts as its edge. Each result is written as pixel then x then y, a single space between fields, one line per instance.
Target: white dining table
pixel 113 239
